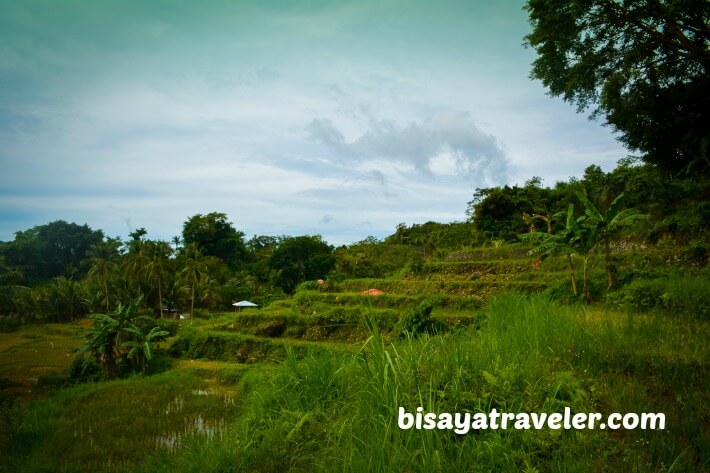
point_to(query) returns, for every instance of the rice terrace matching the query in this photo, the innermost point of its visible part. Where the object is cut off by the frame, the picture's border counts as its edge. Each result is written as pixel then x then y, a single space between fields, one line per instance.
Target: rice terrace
pixel 559 327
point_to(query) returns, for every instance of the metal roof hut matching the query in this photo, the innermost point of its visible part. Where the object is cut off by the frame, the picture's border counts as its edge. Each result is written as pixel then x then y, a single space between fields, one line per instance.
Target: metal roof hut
pixel 242 304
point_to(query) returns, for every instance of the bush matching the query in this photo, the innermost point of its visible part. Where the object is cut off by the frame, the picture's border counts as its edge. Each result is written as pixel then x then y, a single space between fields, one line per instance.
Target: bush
pixel 85 369
pixel 676 294
pixel 309 286
pixel 418 321
pixel 9 324
pixel 169 325
pixel 52 380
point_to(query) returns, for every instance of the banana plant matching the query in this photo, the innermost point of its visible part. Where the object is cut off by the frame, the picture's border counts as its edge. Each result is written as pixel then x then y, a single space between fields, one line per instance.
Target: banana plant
pixel 605 225
pixel 556 243
pixel 582 238
pixel 119 333
pixel 140 345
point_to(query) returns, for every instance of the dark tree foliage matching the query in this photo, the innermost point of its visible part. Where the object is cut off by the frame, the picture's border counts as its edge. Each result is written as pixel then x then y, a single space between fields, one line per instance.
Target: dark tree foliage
pixel 372 258
pixel 215 236
pixel 431 236
pixel 47 251
pixel 301 258
pixel 642 64
pixel 500 211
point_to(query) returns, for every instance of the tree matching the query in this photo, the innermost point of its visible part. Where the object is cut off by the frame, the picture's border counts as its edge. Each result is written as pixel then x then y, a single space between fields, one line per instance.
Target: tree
pixel 193 270
pixel 44 252
pixel 135 261
pixel 72 295
pixel 138 234
pixel 215 236
pixel 140 345
pixel 11 288
pixel 125 333
pixel 499 211
pixel 557 243
pixel 301 258
pixel 643 65
pixel 103 258
pixel 157 262
pixel 176 240
pixel 606 224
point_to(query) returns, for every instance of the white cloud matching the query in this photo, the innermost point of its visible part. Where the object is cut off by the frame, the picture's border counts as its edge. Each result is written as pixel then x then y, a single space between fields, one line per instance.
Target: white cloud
pixel 448 143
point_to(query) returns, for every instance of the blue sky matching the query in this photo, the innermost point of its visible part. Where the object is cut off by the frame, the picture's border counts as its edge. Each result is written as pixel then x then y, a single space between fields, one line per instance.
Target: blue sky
pixel 317 117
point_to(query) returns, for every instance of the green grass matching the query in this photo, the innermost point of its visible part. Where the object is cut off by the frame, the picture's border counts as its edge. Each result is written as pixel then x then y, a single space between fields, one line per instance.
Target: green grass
pixel 338 411
pixel 113 426
pixel 35 352
pixel 317 389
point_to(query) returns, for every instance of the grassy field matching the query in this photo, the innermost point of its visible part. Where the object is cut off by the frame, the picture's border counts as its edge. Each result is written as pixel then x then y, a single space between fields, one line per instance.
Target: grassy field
pixel 315 383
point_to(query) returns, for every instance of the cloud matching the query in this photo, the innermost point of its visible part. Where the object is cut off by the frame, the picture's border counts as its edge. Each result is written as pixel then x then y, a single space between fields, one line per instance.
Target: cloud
pixel 448 142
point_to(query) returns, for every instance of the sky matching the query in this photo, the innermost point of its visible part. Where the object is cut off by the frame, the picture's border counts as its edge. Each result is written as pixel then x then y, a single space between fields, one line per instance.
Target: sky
pixel 341 119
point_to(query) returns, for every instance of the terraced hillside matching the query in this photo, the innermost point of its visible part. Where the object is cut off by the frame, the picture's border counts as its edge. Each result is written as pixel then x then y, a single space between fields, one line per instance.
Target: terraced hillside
pixel 314 382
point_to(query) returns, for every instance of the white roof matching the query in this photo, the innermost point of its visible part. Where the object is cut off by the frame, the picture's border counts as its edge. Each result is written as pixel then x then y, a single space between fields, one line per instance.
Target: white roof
pixel 245 304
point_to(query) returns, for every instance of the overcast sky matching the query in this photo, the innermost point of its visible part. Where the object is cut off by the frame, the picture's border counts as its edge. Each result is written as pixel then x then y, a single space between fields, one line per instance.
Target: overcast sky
pixel 309 117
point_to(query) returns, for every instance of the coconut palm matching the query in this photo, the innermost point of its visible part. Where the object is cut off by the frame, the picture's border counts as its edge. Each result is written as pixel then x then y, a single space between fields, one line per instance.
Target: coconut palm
pixel 72 294
pixel 104 258
pixel 10 289
pixel 156 266
pixel 135 262
pixel 194 268
pixel 176 241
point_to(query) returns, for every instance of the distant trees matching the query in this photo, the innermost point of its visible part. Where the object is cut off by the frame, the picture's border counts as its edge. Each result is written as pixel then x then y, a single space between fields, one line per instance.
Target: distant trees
pixel 194 268
pixel 215 236
pixel 499 211
pixel 300 258
pixel 103 258
pixel 11 288
pixel 46 251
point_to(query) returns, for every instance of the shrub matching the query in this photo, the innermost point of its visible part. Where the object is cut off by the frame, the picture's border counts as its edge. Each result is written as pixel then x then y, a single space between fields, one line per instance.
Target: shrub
pixel 85 370
pixel 418 321
pixel 169 325
pixel 676 294
pixel 9 324
pixel 308 286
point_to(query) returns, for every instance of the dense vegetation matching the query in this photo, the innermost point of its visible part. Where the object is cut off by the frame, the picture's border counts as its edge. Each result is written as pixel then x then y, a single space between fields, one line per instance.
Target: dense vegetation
pixel 590 295
pixel 564 305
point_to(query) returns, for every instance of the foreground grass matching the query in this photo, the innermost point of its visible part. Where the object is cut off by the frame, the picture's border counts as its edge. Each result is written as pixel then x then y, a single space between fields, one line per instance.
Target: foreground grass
pixel 336 410
pixel 35 352
pixel 114 426
pixel 339 412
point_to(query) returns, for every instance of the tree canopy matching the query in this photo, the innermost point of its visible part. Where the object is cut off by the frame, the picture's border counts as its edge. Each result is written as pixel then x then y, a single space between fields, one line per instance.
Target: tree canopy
pixel 301 258
pixel 644 65
pixel 47 251
pixel 216 236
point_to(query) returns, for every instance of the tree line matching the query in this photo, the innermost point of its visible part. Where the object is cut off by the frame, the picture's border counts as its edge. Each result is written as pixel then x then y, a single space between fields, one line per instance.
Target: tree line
pixel 61 270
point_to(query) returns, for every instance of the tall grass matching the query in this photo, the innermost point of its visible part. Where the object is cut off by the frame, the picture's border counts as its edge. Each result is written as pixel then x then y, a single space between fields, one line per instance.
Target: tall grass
pixel 338 412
